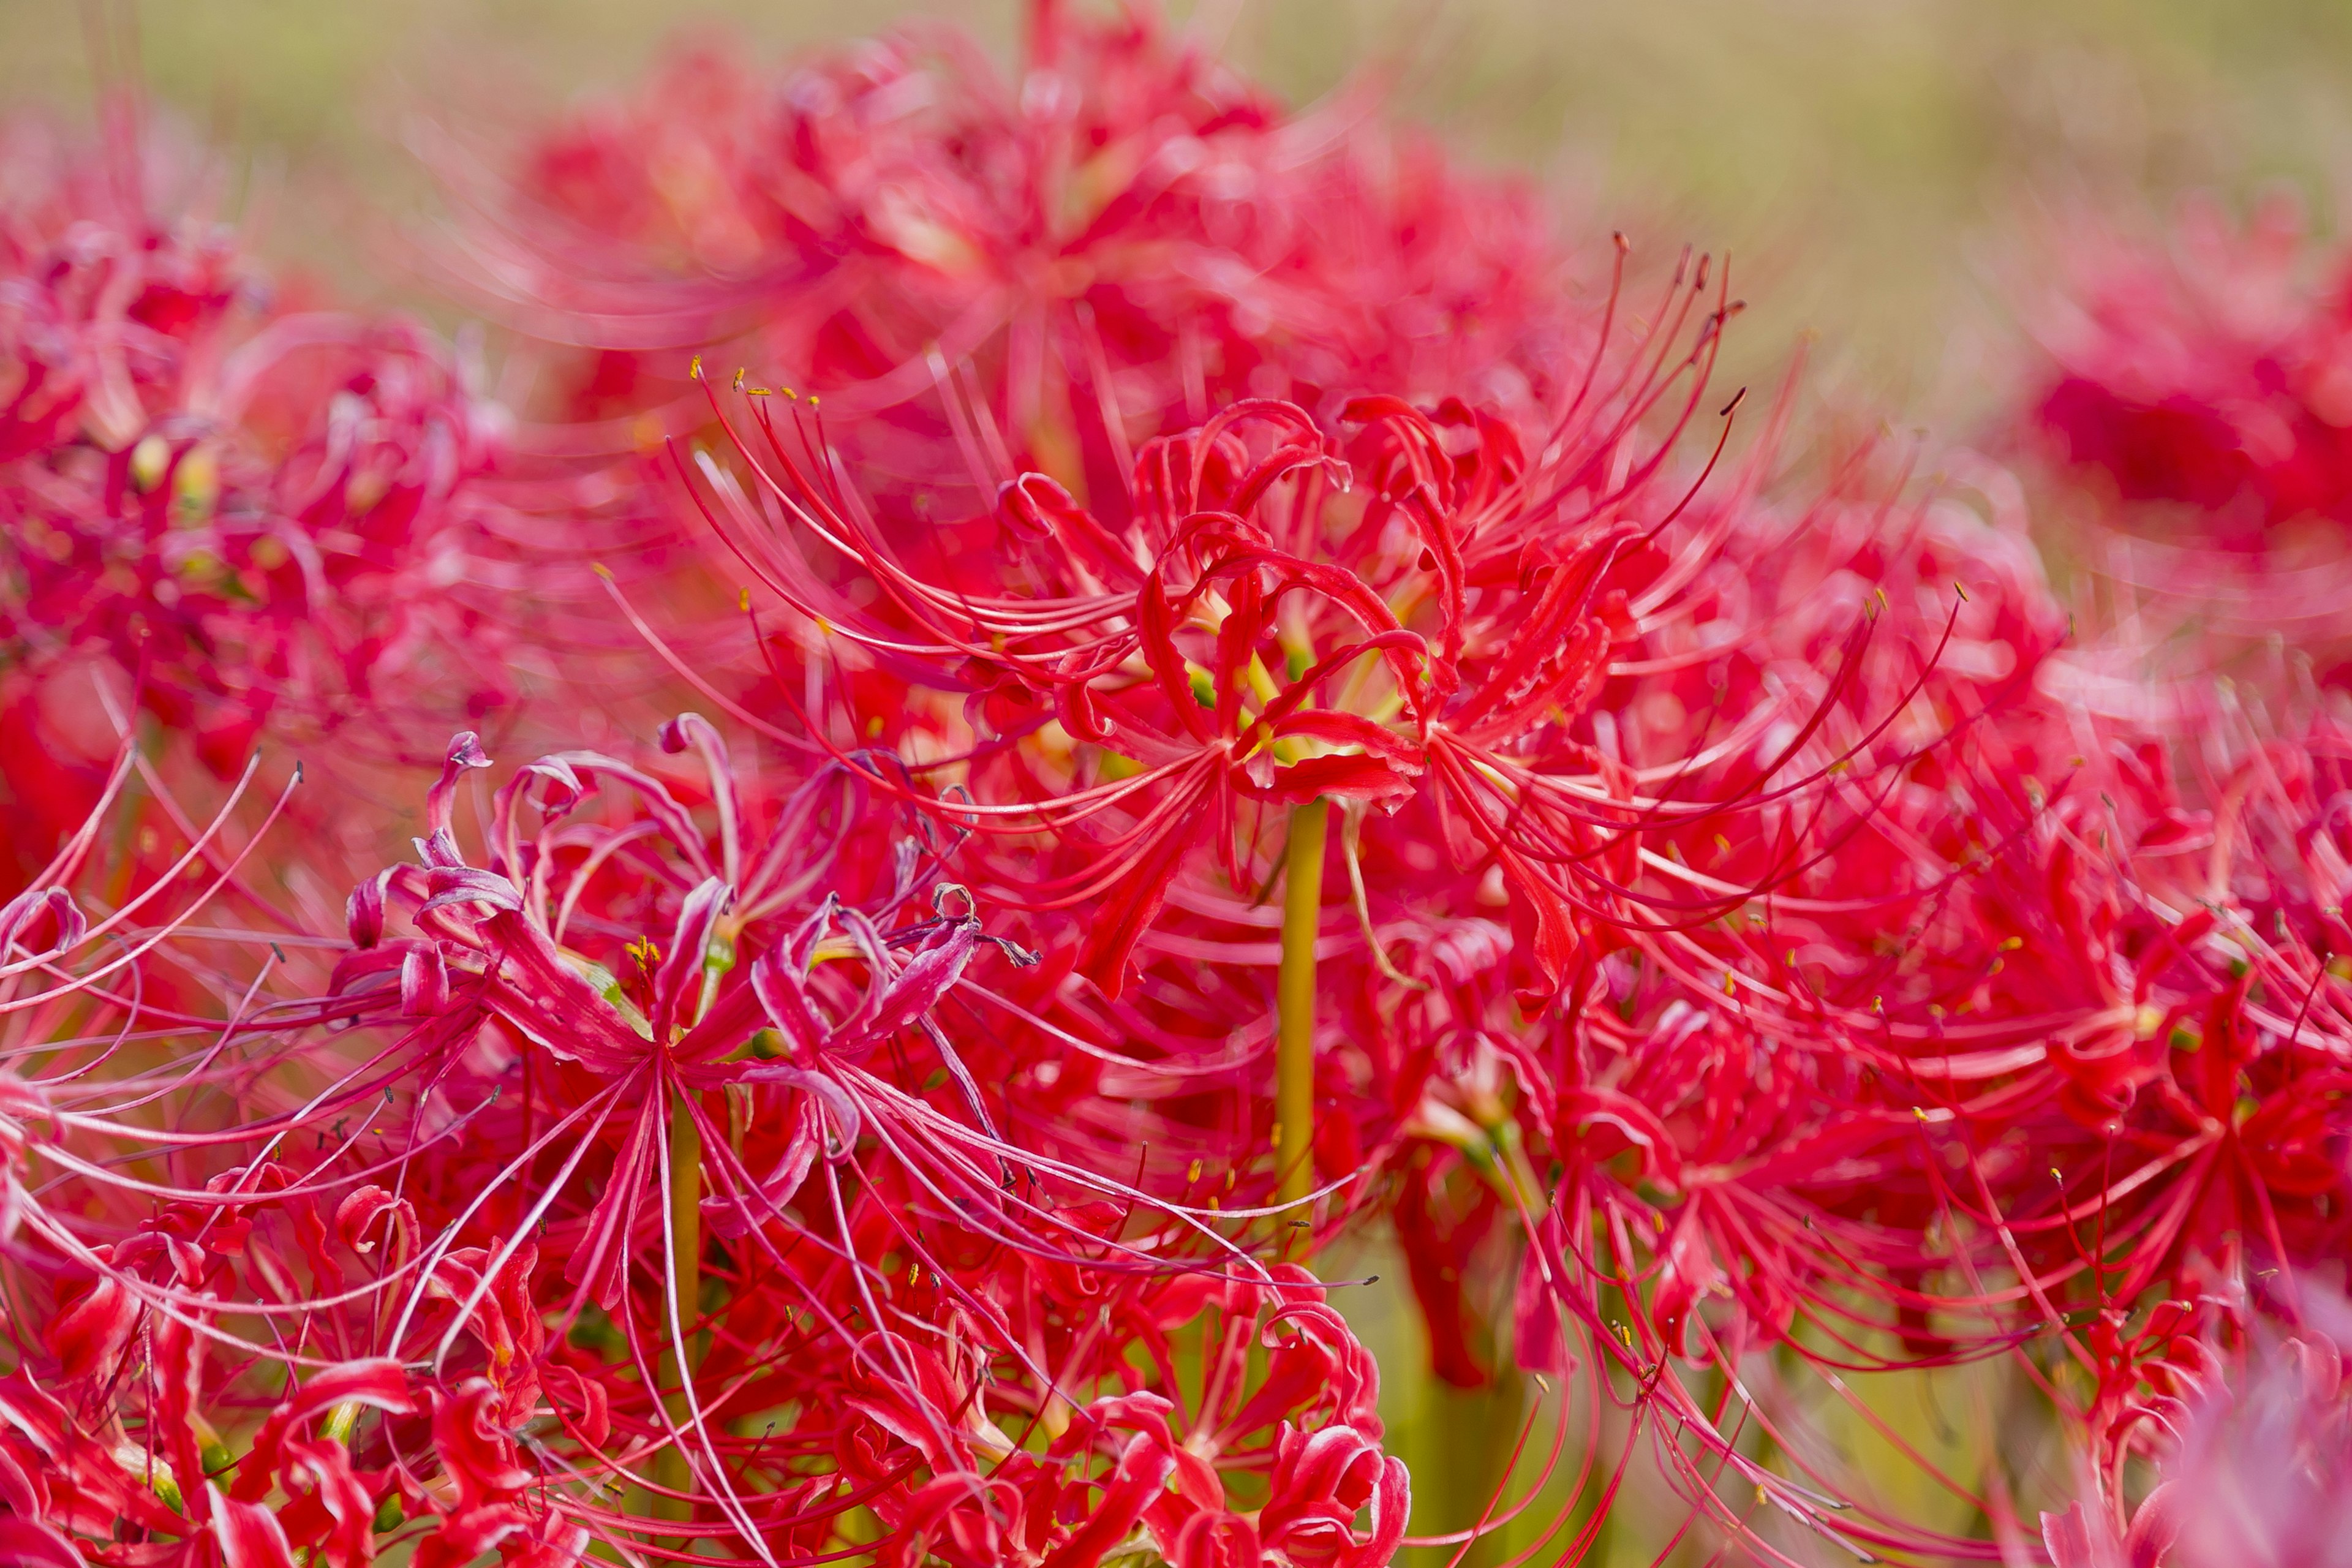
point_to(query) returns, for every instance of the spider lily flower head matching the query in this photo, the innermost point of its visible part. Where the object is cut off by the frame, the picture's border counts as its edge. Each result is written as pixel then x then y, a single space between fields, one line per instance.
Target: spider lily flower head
pixel 1527 657
pixel 1415 607
pixel 653 958
pixel 410 1259
pixel 2104 1061
pixel 110 290
pixel 1034 273
pixel 1284 1462
pixel 256 518
pixel 2252 1452
pixel 1753 1175
pixel 2208 369
pixel 2265 1473
pixel 2194 391
pixel 2180 1008
pixel 1551 704
pixel 847 1201
pixel 116 995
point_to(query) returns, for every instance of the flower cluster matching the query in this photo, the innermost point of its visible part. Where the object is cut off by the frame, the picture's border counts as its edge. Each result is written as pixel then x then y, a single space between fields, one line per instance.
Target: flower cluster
pixel 2192 399
pixel 631 1188
pixel 1272 710
pixel 2253 1440
pixel 245 518
pixel 1121 241
pixel 2211 373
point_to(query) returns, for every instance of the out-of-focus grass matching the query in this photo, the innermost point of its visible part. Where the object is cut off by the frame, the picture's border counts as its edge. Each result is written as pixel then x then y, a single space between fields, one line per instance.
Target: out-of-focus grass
pixel 1861 158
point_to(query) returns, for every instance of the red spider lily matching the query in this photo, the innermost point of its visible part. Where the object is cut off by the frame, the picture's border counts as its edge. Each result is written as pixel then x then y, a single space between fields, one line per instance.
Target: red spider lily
pixel 1443 634
pixel 1041 272
pixel 2197 389
pixel 2102 1063
pixel 772 1192
pixel 114 1267
pixel 2210 372
pixel 1819 667
pixel 256 519
pixel 1763 1058
pixel 990 277
pixel 1739 1138
pixel 1475 602
pixel 1308 1429
pixel 2159 1031
pixel 2254 1452
pixel 1749 948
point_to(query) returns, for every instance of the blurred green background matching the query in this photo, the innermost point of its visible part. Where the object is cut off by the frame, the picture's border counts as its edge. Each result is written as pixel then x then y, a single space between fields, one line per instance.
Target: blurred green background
pixel 1865 160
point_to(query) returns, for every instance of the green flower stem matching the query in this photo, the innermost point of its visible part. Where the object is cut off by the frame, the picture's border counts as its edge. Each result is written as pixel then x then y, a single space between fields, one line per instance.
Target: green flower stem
pixel 1302 910
pixel 670 1466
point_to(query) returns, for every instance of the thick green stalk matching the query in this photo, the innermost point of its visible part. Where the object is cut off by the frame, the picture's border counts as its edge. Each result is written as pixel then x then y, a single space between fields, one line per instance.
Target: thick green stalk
pixel 1294 1081
pixel 670 1466
pixel 1466 1468
pixel 684 1215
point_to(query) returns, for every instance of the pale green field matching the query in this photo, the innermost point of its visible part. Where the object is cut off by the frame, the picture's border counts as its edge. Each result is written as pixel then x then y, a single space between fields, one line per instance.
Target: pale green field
pixel 1865 159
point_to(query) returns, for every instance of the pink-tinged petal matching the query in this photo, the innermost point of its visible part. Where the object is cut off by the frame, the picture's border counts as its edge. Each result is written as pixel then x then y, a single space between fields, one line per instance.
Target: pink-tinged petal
pixel 1042 508
pixel 730 1216
pixel 246 1534
pixel 358 1214
pixel 465 754
pixel 533 988
pixel 553 1542
pixel 1391 1508
pixel 783 995
pixel 581 1403
pixel 1537 1343
pixel 19 916
pixel 470 1531
pixel 922 983
pixel 87 1338
pixel 179 1375
pixel 423 981
pixel 1371 779
pixel 2079 1538
pixel 692 731
pixel 466 885
pixel 819 1087
pixel 1687 1272
pixel 561 787
pixel 2156 1524
pixel 28 1543
pixel 377 1383
pixel 1217 1541
pixel 600 1260
pixel 1613 1120
pixel 1128 913
pixel 1142 1470
pixel 24 1487
pixel 654 798
pixel 1549 916
pixel 363 911
pixel 319 1478
pixel 478 1455
pixel 677 982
